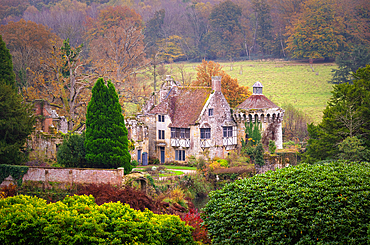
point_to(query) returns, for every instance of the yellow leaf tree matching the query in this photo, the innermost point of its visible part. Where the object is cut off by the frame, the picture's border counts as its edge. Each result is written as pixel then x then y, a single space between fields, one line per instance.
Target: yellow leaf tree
pixel 317 31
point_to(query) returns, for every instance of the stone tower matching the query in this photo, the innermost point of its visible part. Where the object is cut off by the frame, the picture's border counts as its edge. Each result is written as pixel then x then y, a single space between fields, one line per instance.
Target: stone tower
pixel 259 108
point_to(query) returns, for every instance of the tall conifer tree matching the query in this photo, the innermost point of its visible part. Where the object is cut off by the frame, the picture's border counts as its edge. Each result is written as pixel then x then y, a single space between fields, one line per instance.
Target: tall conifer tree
pixel 6 65
pixel 16 117
pixel 106 135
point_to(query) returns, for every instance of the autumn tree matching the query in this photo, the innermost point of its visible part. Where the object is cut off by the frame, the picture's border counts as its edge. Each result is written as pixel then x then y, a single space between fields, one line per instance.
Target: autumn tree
pixel 117 42
pixel 224 37
pixel 264 38
pixel 295 124
pixel 230 88
pixel 63 83
pixel 11 10
pixel 317 32
pixel 66 19
pixel 106 135
pixel 28 42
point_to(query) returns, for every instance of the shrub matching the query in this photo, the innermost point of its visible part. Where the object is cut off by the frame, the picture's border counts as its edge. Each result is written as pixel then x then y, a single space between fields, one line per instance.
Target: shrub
pixel 72 151
pixel 258 155
pixel 272 146
pixel 324 203
pixel 199 233
pixel 78 220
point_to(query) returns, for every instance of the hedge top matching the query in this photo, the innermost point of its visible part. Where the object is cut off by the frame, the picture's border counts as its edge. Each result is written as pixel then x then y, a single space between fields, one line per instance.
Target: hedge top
pixel 327 202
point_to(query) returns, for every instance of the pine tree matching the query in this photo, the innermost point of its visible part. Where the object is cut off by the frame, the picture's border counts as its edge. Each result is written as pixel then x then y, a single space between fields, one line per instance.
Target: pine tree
pixel 106 135
pixel 6 65
pixel 16 124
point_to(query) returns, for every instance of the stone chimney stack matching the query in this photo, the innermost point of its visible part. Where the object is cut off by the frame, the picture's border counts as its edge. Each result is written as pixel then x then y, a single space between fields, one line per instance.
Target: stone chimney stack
pixel 216 83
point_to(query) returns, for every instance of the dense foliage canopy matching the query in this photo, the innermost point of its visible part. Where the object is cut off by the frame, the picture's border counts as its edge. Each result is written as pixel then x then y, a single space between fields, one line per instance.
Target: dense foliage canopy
pixel 326 203
pixel 79 220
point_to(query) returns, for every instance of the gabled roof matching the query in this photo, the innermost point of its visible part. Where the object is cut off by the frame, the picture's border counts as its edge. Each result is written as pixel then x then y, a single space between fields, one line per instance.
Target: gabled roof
pixel 257 101
pixel 185 107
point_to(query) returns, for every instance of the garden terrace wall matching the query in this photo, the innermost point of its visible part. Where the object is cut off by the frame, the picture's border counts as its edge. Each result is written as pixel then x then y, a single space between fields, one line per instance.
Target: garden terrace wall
pixel 278 160
pixel 70 176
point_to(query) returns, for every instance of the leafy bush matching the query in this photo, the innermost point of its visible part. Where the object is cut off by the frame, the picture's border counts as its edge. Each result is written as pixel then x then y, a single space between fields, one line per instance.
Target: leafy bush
pixel 72 151
pixel 196 184
pixel 325 203
pixel 199 233
pixel 78 220
pixel 272 147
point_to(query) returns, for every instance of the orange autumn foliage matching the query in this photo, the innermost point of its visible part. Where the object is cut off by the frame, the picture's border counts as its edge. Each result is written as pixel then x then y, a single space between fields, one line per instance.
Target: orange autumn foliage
pixel 233 92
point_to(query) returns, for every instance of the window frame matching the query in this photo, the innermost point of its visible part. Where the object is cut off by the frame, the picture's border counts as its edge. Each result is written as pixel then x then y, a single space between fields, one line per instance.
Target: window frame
pixel 210 112
pixel 161 134
pixel 180 155
pixel 205 133
pixel 180 133
pixel 160 118
pixel 227 132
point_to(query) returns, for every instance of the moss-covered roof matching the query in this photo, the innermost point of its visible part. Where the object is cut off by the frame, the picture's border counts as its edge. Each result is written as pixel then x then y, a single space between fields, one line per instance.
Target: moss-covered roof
pixel 185 107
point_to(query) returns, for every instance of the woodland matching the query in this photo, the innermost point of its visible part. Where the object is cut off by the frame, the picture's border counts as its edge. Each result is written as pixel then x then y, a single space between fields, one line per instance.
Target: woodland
pixel 60 47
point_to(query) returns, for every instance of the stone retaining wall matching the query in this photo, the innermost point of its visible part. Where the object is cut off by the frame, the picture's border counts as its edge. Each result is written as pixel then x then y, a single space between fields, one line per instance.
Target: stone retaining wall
pixel 69 176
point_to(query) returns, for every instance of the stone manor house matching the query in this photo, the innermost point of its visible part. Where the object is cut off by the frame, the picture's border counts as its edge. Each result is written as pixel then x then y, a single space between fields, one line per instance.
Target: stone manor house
pixel 181 121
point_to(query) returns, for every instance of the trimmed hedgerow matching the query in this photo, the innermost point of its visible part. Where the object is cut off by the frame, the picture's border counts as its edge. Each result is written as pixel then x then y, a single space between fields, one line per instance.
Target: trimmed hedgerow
pixel 305 204
pixel 78 220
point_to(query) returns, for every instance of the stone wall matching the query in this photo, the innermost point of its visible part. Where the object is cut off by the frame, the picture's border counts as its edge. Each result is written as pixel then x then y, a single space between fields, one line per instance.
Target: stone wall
pixel 279 160
pixel 69 176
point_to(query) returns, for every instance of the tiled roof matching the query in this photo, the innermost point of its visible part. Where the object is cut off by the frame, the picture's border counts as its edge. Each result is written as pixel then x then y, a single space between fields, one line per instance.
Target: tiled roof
pixel 257 101
pixel 184 108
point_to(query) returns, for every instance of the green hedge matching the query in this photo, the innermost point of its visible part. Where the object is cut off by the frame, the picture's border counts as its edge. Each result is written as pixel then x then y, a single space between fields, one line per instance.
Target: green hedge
pixel 307 204
pixel 78 220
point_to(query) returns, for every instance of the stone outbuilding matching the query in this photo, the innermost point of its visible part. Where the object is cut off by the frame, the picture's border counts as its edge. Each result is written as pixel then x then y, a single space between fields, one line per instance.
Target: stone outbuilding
pixel 258 108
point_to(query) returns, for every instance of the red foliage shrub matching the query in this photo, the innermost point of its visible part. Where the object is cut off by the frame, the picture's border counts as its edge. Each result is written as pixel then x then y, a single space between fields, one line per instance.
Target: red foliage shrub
pixel 105 193
pixel 138 200
pixel 9 190
pixel 200 232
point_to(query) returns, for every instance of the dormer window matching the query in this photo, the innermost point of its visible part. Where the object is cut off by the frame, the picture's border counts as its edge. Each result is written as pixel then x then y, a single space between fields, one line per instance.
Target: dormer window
pixel 160 118
pixel 210 112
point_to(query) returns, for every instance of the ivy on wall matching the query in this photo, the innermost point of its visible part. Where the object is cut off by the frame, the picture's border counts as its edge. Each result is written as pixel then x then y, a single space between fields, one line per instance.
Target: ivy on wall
pixel 15 171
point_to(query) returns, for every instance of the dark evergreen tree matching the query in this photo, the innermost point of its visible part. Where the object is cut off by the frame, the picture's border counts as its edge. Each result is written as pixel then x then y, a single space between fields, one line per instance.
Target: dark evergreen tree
pixel 72 152
pixel 106 135
pixel 348 63
pixel 16 123
pixel 6 65
pixel 346 115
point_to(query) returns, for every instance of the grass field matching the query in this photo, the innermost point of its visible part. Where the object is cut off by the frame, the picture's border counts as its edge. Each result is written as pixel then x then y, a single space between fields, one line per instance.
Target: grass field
pixel 285 82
